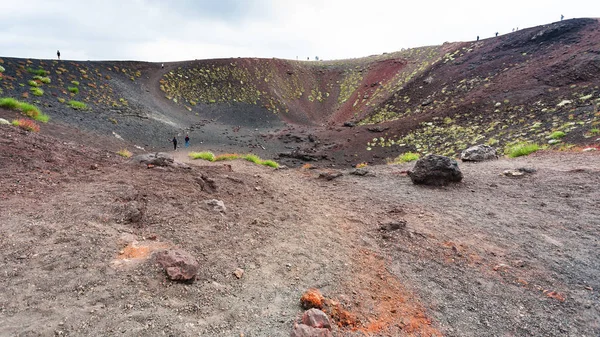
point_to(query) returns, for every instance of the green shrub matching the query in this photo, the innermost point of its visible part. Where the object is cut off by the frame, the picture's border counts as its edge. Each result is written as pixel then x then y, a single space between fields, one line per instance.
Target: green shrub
pixel 74 90
pixel 39 72
pixel 9 103
pixel 33 83
pixel 594 132
pixel 37 91
pixel 2 69
pixel 227 156
pixel 206 155
pixel 406 158
pixel 557 135
pixel 61 100
pixel 26 124
pixel 522 149
pixel 42 79
pixel 252 158
pixel 27 109
pixel 77 105
pixel 125 153
pixel 269 163
pixel 75 83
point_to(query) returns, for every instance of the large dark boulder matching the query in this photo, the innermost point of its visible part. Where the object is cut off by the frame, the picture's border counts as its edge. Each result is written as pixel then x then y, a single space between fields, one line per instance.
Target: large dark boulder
pixel 155 159
pixel 435 170
pixel 479 153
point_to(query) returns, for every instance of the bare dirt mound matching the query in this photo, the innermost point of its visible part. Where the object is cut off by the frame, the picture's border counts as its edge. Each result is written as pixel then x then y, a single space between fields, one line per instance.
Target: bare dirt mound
pixel 493 255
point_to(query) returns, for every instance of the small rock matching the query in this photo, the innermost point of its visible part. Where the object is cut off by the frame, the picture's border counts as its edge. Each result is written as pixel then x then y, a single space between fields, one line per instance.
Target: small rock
pixel 349 124
pixel 239 273
pixel 316 318
pixel 479 153
pixel 393 225
pixel 4 122
pixel 553 141
pixel 359 172
pixel 587 149
pixel 179 264
pixel 312 298
pixel 330 175
pixel 303 330
pixel 215 205
pixel 94 167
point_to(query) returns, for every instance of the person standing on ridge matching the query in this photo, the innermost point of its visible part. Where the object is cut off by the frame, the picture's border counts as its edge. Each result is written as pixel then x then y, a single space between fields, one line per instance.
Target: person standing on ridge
pixel 477 37
pixel 187 140
pixel 174 143
pixel 496 34
pixel 58 54
pixel 562 17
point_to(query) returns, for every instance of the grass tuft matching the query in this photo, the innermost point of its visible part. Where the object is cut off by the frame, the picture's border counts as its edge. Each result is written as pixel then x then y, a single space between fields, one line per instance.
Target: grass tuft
pixel 39 72
pixel 27 109
pixel 26 124
pixel 361 165
pixel 2 69
pixel 74 90
pixel 406 158
pixel 33 83
pixel 227 156
pixel 522 149
pixel 206 155
pixel 77 105
pixel 37 91
pixel 557 135
pixel 270 163
pixel 42 79
pixel 75 83
pixel 125 153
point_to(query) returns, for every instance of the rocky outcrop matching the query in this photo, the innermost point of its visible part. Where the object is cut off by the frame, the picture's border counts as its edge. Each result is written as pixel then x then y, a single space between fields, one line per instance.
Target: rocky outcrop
pixel 154 159
pixel 435 170
pixel 479 153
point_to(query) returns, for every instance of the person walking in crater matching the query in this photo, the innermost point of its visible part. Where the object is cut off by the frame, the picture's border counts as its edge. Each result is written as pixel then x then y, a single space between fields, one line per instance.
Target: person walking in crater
pixel 187 140
pixel 58 54
pixel 174 143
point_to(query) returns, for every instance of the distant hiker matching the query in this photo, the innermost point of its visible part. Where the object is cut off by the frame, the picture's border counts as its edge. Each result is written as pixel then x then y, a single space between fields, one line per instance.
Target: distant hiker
pixel 308 58
pixel 562 17
pixel 187 140
pixel 174 143
pixel 162 66
pixel 496 34
pixel 477 37
pixel 58 54
pixel 513 30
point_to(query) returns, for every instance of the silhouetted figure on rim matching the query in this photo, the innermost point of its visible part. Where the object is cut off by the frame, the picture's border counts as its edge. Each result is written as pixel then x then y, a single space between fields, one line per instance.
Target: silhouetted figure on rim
pixel 174 143
pixel 496 34
pixel 58 54
pixel 562 17
pixel 477 37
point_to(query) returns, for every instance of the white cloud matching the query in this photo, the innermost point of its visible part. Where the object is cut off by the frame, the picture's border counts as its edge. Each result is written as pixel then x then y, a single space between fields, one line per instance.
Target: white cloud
pixel 184 29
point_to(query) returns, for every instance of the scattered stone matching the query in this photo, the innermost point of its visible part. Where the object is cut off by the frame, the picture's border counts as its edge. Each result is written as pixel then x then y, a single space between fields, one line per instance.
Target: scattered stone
pixel 303 330
pixel 316 318
pixel 312 298
pixel 94 167
pixel 519 172
pixel 215 205
pixel 359 172
pixel 479 153
pixel 4 122
pixel 426 102
pixel 330 175
pixel 588 149
pixel 206 183
pixel 378 129
pixel 239 272
pixel 154 159
pixel 349 124
pixel 179 264
pixel 435 170
pixel 393 225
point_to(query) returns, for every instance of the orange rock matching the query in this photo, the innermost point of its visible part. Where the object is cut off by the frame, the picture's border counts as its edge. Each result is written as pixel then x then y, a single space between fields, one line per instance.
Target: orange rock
pixel 312 298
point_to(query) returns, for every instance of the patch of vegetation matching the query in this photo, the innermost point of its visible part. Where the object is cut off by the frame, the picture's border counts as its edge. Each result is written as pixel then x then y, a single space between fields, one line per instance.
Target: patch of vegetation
pixel 2 69
pixel 349 85
pixel 405 158
pixel 124 153
pixel 522 149
pixel 33 83
pixel 77 105
pixel 227 156
pixel 205 155
pixel 39 72
pixel 61 100
pixel 594 132
pixel 27 109
pixel 557 135
pixel 45 80
pixel 37 91
pixel 74 90
pixel 75 83
pixel 361 165
pixel 256 160
pixel 269 163
pixel 26 124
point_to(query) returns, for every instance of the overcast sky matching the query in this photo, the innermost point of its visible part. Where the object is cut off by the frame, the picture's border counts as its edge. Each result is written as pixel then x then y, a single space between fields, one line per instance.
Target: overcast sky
pixel 155 30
